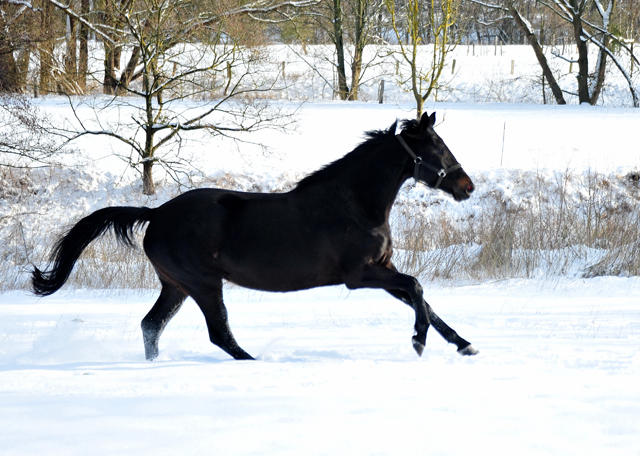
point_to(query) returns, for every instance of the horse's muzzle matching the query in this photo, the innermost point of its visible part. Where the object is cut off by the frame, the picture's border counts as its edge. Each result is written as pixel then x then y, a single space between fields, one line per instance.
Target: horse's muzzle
pixel 463 189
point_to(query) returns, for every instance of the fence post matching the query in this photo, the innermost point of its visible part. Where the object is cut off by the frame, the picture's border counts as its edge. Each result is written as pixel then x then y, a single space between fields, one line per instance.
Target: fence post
pixel 381 91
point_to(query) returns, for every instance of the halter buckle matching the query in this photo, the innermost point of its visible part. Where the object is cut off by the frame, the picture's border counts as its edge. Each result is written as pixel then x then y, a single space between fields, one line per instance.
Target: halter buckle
pixel 442 174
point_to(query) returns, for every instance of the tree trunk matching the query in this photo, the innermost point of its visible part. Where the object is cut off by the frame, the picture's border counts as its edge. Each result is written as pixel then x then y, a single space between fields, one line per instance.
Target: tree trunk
pixel 46 48
pixel 361 17
pixel 23 67
pixel 356 71
pixel 127 74
pixel 83 55
pixel 9 75
pixel 71 57
pixel 542 60
pixel 148 186
pixel 109 82
pixel 600 72
pixel 338 39
pixel 419 107
pixel 583 57
pixel 601 65
pixel 9 78
pixel 415 88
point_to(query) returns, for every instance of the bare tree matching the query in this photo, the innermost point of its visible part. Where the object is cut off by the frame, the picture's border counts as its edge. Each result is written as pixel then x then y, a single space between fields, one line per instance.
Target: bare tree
pixel 83 46
pixel 409 20
pixel 588 21
pixel 180 50
pixel 363 11
pixel 598 31
pixel 348 25
pixel 511 10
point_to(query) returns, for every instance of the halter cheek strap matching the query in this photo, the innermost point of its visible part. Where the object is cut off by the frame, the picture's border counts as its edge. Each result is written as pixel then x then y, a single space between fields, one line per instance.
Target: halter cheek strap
pixel 442 173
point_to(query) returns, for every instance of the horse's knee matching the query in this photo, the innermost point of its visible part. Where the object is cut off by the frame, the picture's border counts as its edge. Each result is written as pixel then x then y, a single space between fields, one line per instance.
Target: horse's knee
pixel 150 327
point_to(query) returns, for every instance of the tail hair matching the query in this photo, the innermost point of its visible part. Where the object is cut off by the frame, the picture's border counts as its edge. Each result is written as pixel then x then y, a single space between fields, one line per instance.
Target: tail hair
pixel 123 220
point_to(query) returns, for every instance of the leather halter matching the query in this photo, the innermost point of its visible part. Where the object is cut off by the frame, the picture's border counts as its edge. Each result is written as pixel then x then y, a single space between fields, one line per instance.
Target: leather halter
pixel 442 173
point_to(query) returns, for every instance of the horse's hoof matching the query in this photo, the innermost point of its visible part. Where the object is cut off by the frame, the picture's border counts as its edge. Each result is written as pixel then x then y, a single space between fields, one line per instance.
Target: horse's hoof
pixel 418 347
pixel 468 351
pixel 151 353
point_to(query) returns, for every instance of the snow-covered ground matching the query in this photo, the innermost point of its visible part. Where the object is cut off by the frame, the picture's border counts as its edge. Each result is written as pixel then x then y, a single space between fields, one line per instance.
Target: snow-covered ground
pixel 559 360
pixel 557 374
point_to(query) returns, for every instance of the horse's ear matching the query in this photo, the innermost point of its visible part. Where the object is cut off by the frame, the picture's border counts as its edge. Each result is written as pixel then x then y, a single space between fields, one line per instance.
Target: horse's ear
pixel 392 128
pixel 427 120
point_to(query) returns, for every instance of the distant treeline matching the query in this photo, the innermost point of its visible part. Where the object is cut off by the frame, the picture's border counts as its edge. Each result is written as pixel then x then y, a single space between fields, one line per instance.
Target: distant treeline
pixel 44 44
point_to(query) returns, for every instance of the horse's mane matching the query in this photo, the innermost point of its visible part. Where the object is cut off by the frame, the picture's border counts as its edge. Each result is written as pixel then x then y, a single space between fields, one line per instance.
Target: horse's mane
pixel 353 158
pixel 410 126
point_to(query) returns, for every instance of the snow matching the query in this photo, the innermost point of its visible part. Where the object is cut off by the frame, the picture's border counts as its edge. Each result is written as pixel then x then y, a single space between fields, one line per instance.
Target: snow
pixel 556 374
pixel 559 361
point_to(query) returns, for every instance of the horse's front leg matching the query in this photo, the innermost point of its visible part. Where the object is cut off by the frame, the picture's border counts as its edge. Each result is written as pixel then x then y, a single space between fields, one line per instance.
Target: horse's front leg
pixel 375 276
pixel 464 347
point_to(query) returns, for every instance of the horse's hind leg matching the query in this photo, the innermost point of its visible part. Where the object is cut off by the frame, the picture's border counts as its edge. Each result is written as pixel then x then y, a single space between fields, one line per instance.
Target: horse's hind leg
pixel 464 347
pixel 167 305
pixel 209 299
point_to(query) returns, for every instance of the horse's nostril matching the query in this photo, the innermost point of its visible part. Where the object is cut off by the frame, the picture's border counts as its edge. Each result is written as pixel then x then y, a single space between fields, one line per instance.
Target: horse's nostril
pixel 470 188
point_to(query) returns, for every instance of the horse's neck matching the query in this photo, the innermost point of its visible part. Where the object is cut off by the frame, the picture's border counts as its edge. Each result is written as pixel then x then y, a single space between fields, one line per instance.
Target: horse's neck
pixel 377 187
pixel 367 183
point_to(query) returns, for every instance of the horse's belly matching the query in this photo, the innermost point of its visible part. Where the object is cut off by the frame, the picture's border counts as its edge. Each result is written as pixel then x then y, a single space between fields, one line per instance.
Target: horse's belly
pixel 270 279
pixel 280 267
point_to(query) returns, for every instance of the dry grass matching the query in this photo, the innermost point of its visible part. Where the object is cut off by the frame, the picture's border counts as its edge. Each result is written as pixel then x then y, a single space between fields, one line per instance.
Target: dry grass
pixel 574 224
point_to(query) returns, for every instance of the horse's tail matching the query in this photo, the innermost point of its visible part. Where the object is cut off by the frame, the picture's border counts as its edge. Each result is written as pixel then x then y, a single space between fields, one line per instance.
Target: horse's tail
pixel 123 220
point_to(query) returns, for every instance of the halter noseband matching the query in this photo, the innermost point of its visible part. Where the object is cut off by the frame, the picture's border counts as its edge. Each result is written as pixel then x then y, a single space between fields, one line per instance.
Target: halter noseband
pixel 442 173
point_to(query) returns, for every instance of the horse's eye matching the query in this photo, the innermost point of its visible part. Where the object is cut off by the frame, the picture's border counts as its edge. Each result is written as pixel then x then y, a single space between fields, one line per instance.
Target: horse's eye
pixel 440 152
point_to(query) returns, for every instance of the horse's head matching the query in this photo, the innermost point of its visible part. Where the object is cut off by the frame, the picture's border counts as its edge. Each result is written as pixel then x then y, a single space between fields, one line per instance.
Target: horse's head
pixel 433 163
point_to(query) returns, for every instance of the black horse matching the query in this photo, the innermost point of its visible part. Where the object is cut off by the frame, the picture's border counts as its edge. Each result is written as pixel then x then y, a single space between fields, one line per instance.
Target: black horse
pixel 332 228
